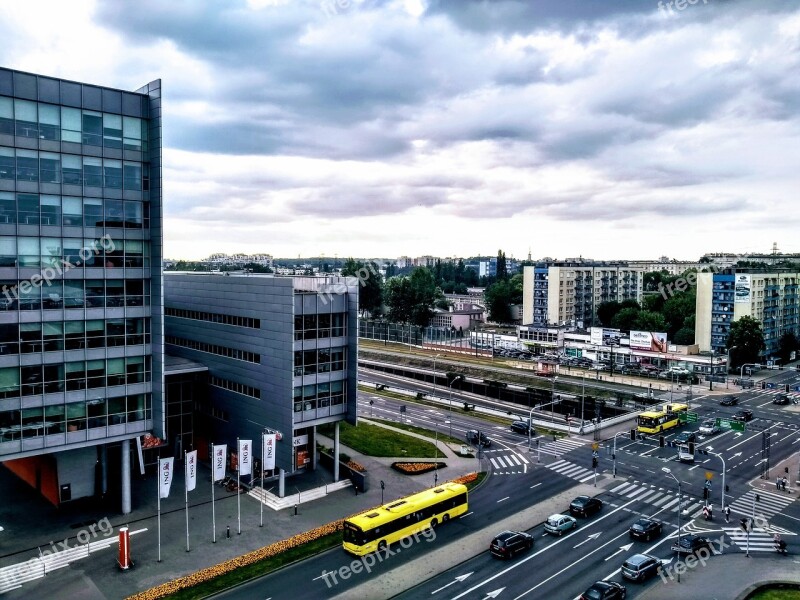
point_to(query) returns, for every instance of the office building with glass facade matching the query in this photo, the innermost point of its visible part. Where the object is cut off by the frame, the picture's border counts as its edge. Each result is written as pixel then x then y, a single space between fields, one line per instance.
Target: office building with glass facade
pixel 281 354
pixel 80 281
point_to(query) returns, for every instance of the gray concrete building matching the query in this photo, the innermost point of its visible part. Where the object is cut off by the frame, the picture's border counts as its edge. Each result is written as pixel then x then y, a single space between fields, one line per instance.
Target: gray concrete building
pixel 80 274
pixel 281 354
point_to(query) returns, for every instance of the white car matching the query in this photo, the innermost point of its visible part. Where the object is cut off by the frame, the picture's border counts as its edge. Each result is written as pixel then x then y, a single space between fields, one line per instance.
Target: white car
pixel 684 455
pixel 709 427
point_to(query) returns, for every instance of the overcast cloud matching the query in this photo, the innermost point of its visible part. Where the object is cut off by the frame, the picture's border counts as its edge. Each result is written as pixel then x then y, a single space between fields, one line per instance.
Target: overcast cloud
pixel 608 129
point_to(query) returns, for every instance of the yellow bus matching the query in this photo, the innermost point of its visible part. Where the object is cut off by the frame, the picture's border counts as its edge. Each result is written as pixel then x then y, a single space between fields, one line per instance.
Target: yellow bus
pixel 656 421
pixel 376 529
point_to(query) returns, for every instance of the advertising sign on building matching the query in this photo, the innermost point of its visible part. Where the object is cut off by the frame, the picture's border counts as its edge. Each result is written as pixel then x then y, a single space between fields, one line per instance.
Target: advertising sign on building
pixel 600 336
pixel 652 341
pixel 742 294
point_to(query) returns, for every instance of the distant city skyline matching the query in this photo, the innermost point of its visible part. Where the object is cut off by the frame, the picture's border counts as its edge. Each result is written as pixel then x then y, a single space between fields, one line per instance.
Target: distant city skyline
pixel 613 129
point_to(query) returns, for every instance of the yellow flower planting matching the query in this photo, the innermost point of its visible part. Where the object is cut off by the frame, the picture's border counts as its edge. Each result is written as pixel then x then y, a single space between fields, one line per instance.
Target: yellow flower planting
pixel 355 466
pixel 468 478
pixel 417 468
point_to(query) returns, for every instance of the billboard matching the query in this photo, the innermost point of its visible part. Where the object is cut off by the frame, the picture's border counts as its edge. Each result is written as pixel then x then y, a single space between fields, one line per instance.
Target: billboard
pixel 600 336
pixel 652 341
pixel 742 294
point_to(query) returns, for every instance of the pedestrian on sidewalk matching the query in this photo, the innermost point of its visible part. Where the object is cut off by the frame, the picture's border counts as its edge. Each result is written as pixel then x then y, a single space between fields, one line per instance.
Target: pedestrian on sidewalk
pixel 778 483
pixel 727 514
pixel 783 484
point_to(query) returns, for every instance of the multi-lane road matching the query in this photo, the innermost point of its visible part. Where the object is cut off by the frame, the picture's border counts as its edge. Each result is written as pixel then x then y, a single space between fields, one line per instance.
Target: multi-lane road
pixel 562 567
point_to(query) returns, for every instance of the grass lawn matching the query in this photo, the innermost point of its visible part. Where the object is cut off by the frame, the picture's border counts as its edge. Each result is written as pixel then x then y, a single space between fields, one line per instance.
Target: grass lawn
pixel 420 430
pixel 374 440
pixel 776 594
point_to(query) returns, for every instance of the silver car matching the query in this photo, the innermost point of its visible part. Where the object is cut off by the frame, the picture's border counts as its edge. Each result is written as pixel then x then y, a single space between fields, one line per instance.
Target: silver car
pixel 558 524
pixel 709 427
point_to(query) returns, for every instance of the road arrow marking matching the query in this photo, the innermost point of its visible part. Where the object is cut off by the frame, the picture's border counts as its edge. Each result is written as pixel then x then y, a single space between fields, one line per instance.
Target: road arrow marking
pixel 594 536
pixel 495 593
pixel 458 579
pixel 735 455
pixel 624 548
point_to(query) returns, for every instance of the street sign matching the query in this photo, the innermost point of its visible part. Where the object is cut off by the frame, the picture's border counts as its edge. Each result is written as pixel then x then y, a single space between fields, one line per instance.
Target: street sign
pixel 595 454
pixel 737 425
pixel 691 417
pixel 708 484
pixel 595 446
pixel 730 424
pixel 709 476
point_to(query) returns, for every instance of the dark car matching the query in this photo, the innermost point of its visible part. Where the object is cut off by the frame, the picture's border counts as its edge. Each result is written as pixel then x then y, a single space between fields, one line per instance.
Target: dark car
pixel 729 401
pixel 645 529
pixel 684 437
pixel 584 506
pixel 743 415
pixel 691 544
pixel 640 567
pixel 478 438
pixel 508 543
pixel 522 427
pixel 605 590
pixel 781 399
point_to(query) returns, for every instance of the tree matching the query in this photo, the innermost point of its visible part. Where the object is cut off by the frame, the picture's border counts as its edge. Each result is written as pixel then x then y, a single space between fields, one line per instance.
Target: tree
pixel 649 321
pixel 677 308
pixel 424 293
pixel 606 311
pixel 370 294
pixel 746 335
pixel 626 319
pixel 685 335
pixel 502 270
pixel 498 296
pixel 787 344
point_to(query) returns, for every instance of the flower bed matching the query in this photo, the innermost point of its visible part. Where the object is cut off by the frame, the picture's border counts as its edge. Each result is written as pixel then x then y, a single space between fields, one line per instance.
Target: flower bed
pixel 468 478
pixel 355 466
pixel 417 468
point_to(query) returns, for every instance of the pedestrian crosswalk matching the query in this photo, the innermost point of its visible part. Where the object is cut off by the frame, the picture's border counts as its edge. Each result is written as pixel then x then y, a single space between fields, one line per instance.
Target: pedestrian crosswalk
pixel 766 505
pixel 659 497
pixel 761 540
pixel 774 392
pixel 508 464
pixel 568 469
pixel 560 447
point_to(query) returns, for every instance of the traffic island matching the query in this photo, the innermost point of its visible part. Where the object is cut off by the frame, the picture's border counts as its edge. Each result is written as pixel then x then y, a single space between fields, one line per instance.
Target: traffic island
pixel 417 468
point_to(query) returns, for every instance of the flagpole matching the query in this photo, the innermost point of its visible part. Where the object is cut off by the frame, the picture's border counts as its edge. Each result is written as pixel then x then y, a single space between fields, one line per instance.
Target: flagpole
pixel 262 480
pixel 158 491
pixel 238 495
pixel 186 496
pixel 213 511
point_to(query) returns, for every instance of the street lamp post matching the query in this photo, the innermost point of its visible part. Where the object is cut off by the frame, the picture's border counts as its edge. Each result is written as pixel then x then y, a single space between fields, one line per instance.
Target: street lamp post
pixel 711 371
pixel 553 400
pixel 614 455
pixel 668 471
pixel 583 397
pixel 434 374
pixel 450 402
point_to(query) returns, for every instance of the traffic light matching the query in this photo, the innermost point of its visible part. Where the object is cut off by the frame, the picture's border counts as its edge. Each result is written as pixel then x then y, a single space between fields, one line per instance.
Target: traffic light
pixel 661 441
pixel 594 463
pixel 633 435
pixel 691 447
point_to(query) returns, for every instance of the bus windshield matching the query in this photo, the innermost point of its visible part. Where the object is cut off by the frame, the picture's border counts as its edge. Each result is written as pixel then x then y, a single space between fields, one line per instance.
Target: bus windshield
pixel 352 534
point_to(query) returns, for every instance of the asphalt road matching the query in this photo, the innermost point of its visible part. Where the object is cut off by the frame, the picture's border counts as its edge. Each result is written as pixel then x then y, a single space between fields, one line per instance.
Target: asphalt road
pixel 562 567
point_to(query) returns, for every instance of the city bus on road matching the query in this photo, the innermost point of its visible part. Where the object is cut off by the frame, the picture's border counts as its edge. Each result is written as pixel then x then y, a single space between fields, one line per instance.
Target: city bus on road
pixel 380 527
pixel 666 417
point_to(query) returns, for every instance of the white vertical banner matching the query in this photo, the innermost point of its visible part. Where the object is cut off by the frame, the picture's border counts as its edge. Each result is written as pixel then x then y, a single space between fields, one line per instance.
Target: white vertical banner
pixel 269 451
pixel 191 470
pixel 165 476
pixel 220 452
pixel 245 457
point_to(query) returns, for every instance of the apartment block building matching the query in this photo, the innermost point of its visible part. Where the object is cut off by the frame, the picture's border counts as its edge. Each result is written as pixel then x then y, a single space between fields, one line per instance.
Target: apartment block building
pixel 568 293
pixel 722 298
pixel 80 273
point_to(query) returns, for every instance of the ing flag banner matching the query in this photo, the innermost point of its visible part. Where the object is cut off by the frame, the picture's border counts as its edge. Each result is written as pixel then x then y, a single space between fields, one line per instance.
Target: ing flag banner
pixel 269 451
pixel 220 452
pixel 191 470
pixel 165 476
pixel 245 457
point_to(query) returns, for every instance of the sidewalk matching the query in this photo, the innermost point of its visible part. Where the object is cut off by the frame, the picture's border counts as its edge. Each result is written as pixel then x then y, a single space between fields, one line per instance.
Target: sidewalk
pixel 726 577
pixel 31 522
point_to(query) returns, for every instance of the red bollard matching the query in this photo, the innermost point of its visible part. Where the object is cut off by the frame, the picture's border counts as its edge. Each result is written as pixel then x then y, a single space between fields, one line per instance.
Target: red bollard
pixel 124 560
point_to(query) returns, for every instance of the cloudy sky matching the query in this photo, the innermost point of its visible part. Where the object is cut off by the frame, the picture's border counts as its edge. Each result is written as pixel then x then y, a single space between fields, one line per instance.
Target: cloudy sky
pixel 379 128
